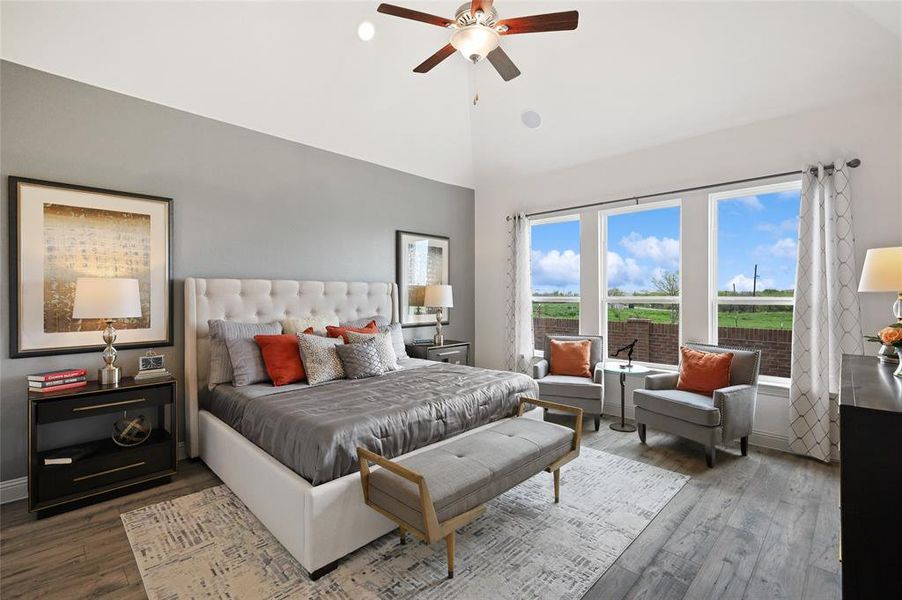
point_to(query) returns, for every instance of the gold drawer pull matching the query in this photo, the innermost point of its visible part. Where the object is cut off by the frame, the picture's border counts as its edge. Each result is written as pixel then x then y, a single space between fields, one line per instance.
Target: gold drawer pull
pixel 107 405
pixel 107 472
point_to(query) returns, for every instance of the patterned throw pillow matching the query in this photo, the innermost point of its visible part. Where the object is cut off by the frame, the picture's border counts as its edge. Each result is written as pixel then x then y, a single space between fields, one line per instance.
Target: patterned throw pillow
pixel 220 331
pixel 317 322
pixel 383 347
pixel 321 362
pixel 397 339
pixel 360 360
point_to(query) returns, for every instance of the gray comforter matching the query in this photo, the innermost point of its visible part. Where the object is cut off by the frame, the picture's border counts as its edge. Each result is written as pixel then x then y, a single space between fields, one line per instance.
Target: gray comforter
pixel 315 431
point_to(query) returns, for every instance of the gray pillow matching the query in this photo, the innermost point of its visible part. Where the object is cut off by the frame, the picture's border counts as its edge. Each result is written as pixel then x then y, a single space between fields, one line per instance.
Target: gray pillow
pixel 321 362
pixel 247 362
pixel 383 347
pixel 360 360
pixel 220 331
pixel 397 338
pixel 381 321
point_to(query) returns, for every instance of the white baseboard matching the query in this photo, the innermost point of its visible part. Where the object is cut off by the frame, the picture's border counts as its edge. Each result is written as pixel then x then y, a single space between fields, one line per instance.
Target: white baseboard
pixel 17 489
pixel 766 439
pixel 13 489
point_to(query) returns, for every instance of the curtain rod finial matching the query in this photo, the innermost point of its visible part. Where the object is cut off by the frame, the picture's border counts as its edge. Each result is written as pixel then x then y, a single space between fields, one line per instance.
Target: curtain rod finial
pixel 854 163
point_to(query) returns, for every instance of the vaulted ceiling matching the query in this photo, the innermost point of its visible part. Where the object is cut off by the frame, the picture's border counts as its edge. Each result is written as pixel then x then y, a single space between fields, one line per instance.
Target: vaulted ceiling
pixel 632 75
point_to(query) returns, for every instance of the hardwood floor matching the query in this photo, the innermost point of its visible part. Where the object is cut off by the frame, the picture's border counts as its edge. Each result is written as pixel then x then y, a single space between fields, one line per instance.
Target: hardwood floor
pixel 763 526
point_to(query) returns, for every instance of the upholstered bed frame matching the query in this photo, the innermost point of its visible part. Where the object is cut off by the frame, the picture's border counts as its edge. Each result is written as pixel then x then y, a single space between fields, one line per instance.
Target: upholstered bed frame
pixel 316 524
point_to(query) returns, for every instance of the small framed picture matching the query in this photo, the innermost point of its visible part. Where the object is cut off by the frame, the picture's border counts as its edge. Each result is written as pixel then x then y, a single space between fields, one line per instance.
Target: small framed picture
pixel 151 361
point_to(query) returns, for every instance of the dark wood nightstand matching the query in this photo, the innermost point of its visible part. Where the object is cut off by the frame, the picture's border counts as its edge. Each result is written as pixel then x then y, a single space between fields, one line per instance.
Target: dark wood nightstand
pixel 454 352
pixel 108 469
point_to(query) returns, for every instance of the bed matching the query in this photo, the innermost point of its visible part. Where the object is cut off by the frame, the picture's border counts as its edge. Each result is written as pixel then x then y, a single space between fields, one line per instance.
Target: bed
pixel 289 453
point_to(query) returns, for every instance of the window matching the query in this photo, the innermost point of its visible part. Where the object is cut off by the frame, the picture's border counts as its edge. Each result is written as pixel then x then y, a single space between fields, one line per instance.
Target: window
pixel 754 234
pixel 641 279
pixel 554 269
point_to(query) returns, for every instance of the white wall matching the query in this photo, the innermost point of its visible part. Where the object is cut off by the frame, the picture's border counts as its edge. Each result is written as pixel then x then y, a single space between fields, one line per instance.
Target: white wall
pixel 868 128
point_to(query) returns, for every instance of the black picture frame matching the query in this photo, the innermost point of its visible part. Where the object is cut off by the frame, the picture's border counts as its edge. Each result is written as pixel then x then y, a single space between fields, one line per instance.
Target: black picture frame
pixel 15 350
pixel 399 257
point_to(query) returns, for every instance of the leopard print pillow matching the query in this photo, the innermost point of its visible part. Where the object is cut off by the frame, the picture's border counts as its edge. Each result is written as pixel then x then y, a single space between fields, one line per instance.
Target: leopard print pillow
pixel 321 362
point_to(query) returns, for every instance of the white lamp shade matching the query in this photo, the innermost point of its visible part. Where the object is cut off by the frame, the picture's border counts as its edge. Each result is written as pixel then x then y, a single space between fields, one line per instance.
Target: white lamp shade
pixel 438 296
pixel 882 271
pixel 106 298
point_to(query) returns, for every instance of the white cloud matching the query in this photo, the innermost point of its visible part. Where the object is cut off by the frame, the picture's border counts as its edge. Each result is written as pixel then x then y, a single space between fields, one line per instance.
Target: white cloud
pixel 555 269
pixel 750 202
pixel 744 284
pixel 785 248
pixel 624 273
pixel 663 251
pixel 786 226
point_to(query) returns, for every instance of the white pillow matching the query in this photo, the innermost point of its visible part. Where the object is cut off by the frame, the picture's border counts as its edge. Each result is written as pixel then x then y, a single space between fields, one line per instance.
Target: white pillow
pixel 383 347
pixel 318 322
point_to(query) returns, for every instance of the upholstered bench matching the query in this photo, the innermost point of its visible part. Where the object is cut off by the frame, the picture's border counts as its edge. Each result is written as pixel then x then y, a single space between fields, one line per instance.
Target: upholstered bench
pixel 432 494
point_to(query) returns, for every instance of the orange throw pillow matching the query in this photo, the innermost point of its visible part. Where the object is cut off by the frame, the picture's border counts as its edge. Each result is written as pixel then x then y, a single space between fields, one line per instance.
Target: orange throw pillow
pixel 282 357
pixel 342 332
pixel 571 358
pixel 704 372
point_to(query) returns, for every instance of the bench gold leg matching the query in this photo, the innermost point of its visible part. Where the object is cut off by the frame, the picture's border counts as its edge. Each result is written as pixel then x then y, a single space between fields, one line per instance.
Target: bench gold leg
pixel 403 533
pixel 449 542
pixel 557 486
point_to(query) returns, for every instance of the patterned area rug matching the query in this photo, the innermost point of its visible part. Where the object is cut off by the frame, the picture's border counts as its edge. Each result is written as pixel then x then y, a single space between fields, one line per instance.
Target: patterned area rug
pixel 209 545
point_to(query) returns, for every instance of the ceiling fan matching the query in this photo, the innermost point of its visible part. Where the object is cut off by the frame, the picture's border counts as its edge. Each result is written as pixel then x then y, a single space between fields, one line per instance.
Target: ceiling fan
pixel 476 32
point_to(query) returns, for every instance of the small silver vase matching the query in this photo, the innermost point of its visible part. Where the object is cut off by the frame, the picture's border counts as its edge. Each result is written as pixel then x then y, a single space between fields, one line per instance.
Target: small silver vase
pixel 888 354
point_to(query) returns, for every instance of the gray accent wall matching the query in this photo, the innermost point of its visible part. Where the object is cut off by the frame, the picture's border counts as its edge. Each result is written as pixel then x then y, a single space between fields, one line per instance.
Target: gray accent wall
pixel 245 204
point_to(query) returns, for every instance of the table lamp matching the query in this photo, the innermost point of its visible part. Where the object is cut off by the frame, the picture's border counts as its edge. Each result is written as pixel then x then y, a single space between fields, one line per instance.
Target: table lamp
pixel 438 296
pixel 107 298
pixel 882 272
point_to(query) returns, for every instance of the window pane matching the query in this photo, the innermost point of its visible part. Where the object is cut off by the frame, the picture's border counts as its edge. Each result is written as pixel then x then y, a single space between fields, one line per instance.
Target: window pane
pixel 643 253
pixel 765 328
pixel 756 244
pixel 656 326
pixel 554 269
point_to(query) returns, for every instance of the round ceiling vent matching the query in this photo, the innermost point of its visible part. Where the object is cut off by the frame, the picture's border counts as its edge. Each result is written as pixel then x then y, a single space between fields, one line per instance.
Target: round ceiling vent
pixel 531 119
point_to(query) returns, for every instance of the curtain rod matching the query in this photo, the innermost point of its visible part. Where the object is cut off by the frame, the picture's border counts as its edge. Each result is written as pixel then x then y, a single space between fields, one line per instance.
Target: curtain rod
pixel 854 163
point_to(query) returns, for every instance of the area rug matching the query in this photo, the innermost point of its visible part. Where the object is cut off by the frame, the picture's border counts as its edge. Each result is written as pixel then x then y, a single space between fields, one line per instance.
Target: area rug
pixel 209 545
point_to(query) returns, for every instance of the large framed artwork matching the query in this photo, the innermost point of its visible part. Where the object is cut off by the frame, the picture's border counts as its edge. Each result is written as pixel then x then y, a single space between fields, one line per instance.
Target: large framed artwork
pixel 60 232
pixel 422 260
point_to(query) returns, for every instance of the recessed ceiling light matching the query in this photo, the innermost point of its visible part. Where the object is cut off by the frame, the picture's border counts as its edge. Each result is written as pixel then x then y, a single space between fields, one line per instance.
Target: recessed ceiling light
pixel 366 31
pixel 531 119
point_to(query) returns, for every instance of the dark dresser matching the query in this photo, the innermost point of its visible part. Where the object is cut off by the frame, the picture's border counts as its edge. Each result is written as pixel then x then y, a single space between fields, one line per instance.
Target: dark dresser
pixel 454 352
pixel 870 414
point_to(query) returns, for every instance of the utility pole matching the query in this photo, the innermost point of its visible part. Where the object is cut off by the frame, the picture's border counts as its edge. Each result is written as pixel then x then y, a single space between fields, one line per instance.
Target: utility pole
pixel 754 285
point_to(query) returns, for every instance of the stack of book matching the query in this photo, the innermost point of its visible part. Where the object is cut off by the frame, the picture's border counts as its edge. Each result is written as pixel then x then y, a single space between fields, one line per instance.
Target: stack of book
pixel 54 381
pixel 152 374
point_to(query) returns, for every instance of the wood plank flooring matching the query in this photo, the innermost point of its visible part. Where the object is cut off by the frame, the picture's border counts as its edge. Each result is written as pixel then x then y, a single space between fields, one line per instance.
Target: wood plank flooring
pixel 762 526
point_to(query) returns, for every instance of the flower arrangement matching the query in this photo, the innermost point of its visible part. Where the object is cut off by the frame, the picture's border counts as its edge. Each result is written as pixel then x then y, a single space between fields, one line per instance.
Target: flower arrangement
pixel 888 336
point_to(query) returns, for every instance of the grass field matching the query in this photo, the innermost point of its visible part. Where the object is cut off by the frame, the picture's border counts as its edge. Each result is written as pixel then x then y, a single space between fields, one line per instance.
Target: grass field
pixel 762 318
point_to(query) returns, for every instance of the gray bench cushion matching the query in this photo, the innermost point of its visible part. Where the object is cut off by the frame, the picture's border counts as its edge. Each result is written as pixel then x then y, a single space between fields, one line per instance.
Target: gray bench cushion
pixel 470 471
pixel 686 406
pixel 569 386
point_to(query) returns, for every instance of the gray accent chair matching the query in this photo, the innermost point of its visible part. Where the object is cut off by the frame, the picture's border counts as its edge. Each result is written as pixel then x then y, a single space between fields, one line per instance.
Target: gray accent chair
pixel 725 416
pixel 586 393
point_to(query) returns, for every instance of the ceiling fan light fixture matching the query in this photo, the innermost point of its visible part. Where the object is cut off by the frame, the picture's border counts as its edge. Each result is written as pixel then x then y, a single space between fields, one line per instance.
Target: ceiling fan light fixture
pixel 475 41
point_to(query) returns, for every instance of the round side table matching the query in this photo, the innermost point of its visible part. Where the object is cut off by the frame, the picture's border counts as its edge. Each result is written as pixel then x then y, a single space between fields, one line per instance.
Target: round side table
pixel 624 372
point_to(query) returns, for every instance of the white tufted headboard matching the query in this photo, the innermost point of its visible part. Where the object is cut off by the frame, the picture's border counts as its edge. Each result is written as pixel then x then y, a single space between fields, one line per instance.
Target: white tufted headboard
pixel 261 301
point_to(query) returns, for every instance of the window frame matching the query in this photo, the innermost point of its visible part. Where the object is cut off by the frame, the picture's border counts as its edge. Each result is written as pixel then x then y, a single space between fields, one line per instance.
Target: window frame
pixel 605 299
pixel 714 299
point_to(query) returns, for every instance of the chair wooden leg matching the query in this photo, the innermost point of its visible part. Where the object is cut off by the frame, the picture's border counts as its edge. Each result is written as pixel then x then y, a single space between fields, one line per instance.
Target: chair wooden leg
pixel 641 430
pixel 449 542
pixel 597 422
pixel 557 486
pixel 710 452
pixel 744 445
pixel 403 533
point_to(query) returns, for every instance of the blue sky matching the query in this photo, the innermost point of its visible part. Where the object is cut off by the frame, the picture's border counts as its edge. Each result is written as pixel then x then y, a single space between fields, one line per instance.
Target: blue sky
pixel 757 229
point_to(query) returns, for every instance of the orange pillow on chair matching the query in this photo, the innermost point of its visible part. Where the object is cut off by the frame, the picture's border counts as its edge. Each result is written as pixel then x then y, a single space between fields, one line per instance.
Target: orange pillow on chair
pixel 571 358
pixel 342 332
pixel 282 357
pixel 704 372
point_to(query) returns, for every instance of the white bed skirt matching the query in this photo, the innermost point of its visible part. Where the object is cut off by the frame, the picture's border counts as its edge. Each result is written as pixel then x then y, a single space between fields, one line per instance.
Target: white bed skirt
pixel 316 524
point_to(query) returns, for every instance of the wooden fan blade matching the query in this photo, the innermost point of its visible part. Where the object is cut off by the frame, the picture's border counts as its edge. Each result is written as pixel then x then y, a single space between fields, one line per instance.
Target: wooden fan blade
pixel 426 65
pixel 415 15
pixel 562 21
pixel 503 64
pixel 483 5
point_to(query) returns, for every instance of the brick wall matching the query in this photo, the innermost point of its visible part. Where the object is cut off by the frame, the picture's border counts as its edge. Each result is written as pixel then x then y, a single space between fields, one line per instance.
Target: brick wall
pixel 659 342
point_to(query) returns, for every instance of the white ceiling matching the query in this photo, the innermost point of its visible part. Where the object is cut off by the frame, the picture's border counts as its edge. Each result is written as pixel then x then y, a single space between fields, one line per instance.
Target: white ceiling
pixel 632 75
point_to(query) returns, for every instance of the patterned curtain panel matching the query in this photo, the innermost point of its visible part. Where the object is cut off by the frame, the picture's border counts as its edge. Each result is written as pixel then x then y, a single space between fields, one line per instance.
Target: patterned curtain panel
pixel 519 302
pixel 826 320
